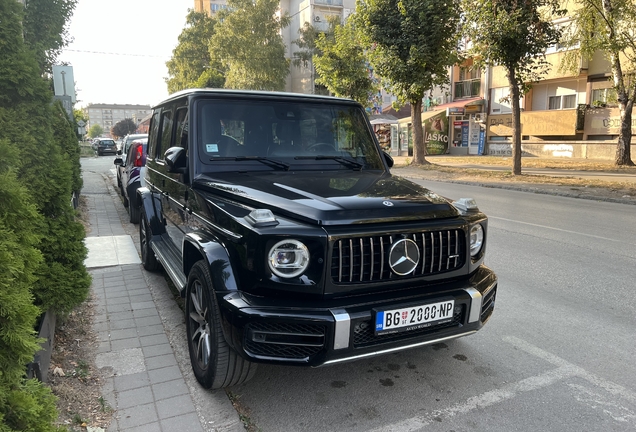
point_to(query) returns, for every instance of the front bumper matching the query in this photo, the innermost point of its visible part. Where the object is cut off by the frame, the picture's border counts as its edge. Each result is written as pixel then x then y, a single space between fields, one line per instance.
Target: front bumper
pixel 344 331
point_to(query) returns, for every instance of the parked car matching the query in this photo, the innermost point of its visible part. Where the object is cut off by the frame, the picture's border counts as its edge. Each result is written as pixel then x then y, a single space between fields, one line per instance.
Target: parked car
pixel 131 172
pixel 104 145
pixel 127 140
pixel 278 219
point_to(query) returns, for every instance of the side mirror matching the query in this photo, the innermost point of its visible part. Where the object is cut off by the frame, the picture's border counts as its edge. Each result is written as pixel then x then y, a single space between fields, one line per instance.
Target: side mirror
pixel 175 158
pixel 118 161
pixel 388 159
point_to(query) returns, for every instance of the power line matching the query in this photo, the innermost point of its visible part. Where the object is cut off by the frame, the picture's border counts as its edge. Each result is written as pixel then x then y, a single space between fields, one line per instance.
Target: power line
pixel 116 54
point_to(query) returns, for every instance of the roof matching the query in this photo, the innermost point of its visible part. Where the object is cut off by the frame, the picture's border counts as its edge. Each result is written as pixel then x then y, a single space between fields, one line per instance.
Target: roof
pixel 260 93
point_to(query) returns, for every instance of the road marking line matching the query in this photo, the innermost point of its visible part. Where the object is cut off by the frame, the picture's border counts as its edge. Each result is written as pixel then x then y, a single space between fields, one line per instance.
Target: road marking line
pixel 564 370
pixel 558 229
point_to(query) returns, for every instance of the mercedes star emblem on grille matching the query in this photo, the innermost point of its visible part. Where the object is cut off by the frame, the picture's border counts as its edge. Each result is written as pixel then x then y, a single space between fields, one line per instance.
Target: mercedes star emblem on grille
pixel 404 256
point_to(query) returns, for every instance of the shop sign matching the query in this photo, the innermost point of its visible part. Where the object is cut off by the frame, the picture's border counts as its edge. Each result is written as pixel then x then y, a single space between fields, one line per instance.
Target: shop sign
pixel 436 134
pixel 455 111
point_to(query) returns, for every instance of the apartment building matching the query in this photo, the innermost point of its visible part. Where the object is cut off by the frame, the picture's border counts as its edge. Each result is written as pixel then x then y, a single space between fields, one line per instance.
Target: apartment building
pixel 315 12
pixel 107 115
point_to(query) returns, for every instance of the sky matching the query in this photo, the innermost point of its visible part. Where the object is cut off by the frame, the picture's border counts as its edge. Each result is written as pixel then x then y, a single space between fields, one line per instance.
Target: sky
pixel 120 48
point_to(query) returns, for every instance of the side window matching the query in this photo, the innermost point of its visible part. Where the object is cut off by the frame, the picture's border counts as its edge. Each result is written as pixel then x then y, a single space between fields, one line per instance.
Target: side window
pixel 153 134
pixel 166 133
pixel 181 137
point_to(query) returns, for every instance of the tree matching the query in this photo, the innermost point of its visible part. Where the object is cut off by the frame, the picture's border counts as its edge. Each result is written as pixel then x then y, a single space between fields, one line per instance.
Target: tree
pixel 608 26
pixel 513 34
pixel 95 131
pixel 247 41
pixel 341 64
pixel 191 64
pixel 410 45
pixel 45 29
pixel 123 128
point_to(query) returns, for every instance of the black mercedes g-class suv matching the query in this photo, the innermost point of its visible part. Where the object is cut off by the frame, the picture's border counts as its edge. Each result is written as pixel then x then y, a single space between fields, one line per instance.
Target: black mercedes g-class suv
pixel 278 219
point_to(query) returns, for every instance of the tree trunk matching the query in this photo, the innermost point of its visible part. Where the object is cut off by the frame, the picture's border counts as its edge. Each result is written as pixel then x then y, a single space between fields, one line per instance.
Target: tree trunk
pixel 419 149
pixel 623 149
pixel 516 121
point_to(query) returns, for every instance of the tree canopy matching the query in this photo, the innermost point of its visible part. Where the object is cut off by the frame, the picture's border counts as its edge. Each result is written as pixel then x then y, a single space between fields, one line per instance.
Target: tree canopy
pixel 45 29
pixel 191 64
pixel 123 128
pixel 341 64
pixel 95 131
pixel 608 26
pixel 247 41
pixel 410 45
pixel 513 34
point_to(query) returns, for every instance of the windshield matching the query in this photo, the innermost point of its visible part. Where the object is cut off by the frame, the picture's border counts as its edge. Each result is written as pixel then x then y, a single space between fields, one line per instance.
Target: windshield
pixel 298 135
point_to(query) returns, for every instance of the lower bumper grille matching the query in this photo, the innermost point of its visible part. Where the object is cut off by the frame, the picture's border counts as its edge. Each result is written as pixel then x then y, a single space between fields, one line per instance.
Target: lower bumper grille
pixel 364 336
pixel 284 341
pixel 488 304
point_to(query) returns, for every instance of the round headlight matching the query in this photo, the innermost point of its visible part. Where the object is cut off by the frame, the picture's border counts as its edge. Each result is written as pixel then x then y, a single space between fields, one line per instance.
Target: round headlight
pixel 476 239
pixel 288 258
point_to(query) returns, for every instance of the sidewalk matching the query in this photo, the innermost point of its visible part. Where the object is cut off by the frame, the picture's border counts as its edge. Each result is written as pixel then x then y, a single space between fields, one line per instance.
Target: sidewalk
pixel 401 161
pixel 143 349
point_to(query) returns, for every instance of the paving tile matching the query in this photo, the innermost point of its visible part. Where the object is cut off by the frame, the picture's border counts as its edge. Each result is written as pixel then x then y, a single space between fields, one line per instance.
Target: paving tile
pixel 141 313
pixel 156 350
pixel 161 361
pixel 134 397
pixel 150 330
pixel 164 374
pixel 148 321
pixel 183 423
pixel 170 389
pixel 120 315
pixel 132 381
pixel 120 344
pixel 116 293
pixel 118 300
pixel 156 339
pixel 148 427
pixel 118 308
pixel 144 305
pixel 104 347
pixel 122 324
pixel 146 297
pixel 175 406
pixel 123 334
pixel 137 416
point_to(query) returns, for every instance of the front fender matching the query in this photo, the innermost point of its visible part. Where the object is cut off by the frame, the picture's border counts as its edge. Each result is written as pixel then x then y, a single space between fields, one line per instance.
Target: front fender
pixel 199 245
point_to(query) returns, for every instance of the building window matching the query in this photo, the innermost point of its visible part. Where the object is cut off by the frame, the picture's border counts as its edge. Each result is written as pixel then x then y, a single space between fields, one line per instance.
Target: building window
pixel 604 96
pixel 562 102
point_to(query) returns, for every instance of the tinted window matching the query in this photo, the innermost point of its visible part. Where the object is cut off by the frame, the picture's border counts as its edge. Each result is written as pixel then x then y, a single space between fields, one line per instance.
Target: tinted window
pixel 154 133
pixel 166 133
pixel 292 132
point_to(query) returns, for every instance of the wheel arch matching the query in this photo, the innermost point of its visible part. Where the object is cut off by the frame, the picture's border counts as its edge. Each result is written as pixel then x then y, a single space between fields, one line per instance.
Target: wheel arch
pixel 201 246
pixel 150 203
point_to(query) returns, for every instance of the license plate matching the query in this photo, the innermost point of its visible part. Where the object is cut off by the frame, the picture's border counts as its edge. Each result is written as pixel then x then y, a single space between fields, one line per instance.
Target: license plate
pixel 413 317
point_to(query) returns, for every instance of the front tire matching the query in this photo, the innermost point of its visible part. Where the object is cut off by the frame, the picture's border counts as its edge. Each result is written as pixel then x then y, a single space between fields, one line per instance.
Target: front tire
pixel 214 363
pixel 148 258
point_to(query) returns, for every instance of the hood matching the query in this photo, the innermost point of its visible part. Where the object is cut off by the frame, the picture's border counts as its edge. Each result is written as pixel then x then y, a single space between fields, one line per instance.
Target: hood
pixel 330 197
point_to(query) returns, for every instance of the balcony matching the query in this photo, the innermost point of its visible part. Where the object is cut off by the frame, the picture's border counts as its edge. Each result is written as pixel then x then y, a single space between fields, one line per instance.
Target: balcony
pixel 468 88
pixel 328 2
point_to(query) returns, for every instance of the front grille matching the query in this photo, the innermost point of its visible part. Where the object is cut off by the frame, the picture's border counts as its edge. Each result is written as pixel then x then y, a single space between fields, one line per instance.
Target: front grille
pixel 284 341
pixel 366 259
pixel 364 335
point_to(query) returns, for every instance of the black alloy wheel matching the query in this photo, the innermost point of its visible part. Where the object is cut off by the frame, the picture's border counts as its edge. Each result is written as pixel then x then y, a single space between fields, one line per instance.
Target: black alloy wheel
pixel 214 363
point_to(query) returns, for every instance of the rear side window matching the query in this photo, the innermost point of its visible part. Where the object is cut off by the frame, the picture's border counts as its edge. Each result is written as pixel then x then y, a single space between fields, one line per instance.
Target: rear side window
pixel 166 133
pixel 153 134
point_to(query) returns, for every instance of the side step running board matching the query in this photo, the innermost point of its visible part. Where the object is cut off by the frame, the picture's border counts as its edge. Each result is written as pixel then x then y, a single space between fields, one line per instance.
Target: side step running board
pixel 171 264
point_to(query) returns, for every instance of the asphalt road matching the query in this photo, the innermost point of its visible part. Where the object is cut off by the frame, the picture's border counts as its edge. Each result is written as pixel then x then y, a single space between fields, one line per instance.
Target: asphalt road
pixel 557 355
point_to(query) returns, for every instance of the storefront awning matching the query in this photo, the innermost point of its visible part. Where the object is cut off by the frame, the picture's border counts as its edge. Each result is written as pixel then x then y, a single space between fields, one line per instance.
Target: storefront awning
pixel 461 103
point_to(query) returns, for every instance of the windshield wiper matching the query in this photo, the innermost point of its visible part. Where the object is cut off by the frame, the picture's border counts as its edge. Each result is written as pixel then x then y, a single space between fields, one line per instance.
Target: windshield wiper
pixel 344 161
pixel 262 159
